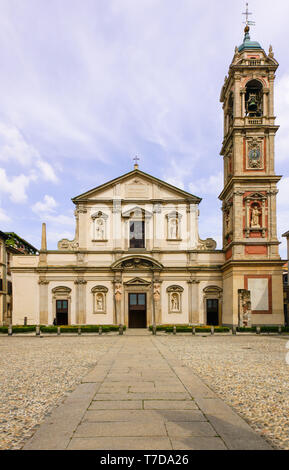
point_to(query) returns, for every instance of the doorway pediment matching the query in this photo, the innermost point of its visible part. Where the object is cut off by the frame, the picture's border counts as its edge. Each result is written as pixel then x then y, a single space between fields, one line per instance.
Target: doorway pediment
pixel 137 281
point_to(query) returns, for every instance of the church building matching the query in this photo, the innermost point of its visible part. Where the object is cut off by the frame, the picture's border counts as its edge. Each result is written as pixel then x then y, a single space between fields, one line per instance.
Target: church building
pixel 137 258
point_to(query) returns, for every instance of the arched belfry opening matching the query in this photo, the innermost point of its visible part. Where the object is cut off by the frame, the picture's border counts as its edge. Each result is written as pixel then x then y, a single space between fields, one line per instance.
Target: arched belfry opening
pixel 254 99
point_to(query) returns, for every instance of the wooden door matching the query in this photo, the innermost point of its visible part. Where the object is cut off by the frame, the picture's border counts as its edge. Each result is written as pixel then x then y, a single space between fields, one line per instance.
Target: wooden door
pixel 213 312
pixel 137 317
pixel 62 312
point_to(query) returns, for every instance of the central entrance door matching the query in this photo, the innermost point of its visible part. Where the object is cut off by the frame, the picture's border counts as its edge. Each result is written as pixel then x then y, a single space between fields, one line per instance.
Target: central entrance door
pixel 137 310
pixel 213 312
pixel 62 312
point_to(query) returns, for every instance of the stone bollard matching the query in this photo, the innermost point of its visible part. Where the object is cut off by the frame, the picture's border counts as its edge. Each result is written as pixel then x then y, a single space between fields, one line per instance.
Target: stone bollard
pixel 174 330
pixel 25 321
pixel 279 330
pixel 79 331
pixel 37 330
pixel 100 330
pixel 10 330
pixel 258 330
pixel 154 330
pixel 212 330
pixel 193 331
pixel 120 331
pixel 234 330
pixel 58 331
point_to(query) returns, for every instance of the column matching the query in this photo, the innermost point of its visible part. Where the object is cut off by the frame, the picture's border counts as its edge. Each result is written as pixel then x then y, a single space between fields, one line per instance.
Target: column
pixel 43 301
pixel 271 95
pixel 80 301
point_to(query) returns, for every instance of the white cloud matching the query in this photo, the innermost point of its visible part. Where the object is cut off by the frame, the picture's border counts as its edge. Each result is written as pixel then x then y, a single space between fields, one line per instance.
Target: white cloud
pixel 46 210
pixel 48 205
pixel 211 185
pixel 16 186
pixel 47 171
pixel 60 219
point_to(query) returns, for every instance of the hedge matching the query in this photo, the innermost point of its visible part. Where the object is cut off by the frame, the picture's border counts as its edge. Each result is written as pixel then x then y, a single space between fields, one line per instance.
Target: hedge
pixel 63 329
pixel 217 329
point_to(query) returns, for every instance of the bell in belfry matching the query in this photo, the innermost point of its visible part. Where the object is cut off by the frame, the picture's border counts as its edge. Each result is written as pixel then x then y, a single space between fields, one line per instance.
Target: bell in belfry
pixel 252 103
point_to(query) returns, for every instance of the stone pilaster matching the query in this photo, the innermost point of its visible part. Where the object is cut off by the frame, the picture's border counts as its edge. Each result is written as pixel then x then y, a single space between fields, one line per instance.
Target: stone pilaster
pixel 80 301
pixel 43 301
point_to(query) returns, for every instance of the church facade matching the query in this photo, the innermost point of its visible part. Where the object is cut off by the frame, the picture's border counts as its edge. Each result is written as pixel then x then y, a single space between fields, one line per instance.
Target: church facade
pixel 137 258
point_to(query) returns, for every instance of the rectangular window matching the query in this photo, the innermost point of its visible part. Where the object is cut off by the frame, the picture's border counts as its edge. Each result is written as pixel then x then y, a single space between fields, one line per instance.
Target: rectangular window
pixel 137 234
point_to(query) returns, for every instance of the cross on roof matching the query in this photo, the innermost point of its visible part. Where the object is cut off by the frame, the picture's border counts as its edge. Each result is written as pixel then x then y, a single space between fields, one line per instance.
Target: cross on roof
pixel 136 160
pixel 247 13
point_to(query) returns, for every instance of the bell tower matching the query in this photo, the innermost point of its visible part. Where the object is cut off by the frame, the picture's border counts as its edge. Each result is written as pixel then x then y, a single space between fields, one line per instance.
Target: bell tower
pixel 250 243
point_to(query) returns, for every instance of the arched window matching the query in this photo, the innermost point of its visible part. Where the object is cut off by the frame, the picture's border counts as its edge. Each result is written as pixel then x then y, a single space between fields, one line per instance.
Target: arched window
pixel 253 99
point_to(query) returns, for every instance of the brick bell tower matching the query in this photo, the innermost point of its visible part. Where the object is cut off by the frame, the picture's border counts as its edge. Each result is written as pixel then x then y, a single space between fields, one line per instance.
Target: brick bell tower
pixel 248 199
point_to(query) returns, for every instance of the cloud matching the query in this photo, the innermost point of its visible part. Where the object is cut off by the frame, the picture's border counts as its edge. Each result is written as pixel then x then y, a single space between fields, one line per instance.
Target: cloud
pixel 46 210
pixel 47 171
pixel 211 185
pixel 48 205
pixel 16 186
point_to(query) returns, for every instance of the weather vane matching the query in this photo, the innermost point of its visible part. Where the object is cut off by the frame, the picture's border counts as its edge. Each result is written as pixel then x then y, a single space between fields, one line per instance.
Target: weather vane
pixel 247 14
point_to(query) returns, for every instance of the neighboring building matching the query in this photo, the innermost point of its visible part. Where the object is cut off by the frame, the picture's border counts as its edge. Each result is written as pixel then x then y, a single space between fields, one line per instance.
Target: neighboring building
pixel 137 257
pixel 3 277
pixel 286 283
pixel 10 244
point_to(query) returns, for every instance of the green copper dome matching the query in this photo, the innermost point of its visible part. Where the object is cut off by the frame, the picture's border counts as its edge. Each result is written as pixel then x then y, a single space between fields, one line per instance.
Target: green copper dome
pixel 247 43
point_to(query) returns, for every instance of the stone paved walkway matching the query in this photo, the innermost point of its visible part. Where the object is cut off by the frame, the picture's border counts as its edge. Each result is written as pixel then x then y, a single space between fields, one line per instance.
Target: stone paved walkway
pixel 140 397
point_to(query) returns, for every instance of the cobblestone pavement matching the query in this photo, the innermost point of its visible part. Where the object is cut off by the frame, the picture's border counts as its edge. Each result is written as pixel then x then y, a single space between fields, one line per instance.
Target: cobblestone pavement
pixel 249 373
pixel 139 396
pixel 35 375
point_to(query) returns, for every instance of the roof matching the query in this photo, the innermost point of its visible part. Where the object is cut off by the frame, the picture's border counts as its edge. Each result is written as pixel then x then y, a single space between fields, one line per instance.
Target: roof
pixel 137 172
pixel 19 244
pixel 3 235
pixel 248 44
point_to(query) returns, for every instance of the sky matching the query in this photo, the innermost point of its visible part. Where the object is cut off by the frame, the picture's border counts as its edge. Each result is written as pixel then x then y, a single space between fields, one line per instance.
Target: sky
pixel 88 84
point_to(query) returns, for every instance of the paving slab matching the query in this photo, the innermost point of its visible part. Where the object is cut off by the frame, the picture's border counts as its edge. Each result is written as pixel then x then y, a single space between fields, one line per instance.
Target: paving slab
pixel 120 443
pixel 139 396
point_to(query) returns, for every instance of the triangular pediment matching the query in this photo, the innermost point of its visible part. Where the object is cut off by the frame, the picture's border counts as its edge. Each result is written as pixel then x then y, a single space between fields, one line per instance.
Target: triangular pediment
pixel 137 281
pixel 136 185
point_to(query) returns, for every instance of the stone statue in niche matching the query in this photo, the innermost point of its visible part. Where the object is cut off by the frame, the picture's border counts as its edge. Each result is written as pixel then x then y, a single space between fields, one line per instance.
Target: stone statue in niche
pixel 99 302
pixel 175 302
pixel 255 216
pixel 99 229
pixel 173 229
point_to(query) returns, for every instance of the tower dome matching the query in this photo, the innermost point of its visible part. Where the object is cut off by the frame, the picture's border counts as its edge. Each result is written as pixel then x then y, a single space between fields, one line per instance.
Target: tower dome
pixel 247 43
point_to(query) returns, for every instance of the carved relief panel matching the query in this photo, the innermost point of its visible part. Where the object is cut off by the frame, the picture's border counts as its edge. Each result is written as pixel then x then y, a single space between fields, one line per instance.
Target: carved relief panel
pixel 255 154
